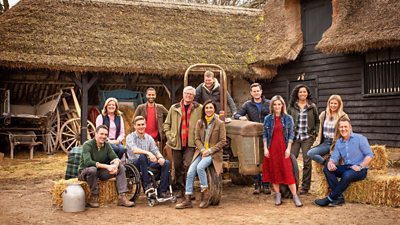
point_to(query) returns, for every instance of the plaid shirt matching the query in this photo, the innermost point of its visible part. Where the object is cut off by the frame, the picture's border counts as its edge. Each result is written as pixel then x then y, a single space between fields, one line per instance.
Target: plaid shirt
pixel 74 159
pixel 301 131
pixel 147 143
pixel 329 128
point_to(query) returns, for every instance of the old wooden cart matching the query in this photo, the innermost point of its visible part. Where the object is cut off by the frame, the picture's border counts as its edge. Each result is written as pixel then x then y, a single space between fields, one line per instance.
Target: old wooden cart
pixel 56 124
pixel 23 123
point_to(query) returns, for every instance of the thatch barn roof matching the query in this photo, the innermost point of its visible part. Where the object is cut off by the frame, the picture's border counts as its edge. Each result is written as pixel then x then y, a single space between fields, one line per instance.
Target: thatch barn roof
pixel 140 37
pixel 358 26
pixel 281 39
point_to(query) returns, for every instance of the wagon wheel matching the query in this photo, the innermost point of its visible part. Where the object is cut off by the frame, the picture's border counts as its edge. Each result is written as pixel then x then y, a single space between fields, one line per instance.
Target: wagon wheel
pixel 70 134
pixel 52 132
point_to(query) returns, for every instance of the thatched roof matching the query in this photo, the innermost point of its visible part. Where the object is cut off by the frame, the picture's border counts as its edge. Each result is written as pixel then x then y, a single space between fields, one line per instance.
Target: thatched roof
pixel 136 37
pixel 361 25
pixel 281 39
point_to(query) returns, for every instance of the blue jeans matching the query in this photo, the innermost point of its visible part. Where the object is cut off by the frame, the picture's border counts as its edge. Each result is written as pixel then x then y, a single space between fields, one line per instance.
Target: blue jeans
pixel 143 163
pixel 119 150
pixel 199 165
pixel 319 151
pixel 347 176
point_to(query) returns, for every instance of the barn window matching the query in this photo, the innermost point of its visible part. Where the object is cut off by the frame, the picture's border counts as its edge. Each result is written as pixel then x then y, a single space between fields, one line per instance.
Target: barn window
pixel 382 72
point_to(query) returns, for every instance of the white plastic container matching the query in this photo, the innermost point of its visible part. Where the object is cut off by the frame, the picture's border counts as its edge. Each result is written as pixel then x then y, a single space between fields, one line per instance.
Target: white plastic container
pixel 74 198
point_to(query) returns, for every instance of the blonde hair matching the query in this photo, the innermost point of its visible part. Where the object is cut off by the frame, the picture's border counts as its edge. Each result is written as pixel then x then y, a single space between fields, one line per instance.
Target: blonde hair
pixel 104 110
pixel 339 112
pixel 208 73
pixel 274 99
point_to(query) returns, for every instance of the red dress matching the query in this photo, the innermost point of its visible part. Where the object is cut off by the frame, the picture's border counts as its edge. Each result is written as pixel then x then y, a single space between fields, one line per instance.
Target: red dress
pixel 277 169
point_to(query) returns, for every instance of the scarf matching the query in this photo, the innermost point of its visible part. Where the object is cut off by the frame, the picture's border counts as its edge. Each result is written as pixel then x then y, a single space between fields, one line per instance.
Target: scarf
pixel 185 123
pixel 207 130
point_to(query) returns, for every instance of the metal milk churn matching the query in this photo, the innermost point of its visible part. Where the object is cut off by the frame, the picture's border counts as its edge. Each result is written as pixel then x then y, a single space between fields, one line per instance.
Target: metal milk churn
pixel 74 198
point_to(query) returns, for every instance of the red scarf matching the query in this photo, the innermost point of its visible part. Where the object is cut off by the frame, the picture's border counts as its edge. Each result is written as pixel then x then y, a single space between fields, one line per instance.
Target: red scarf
pixel 185 124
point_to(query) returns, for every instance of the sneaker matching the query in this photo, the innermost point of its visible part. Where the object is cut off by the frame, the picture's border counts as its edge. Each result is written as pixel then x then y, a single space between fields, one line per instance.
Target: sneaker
pixel 165 195
pixel 149 188
pixel 322 202
pixel 278 198
pixel 94 201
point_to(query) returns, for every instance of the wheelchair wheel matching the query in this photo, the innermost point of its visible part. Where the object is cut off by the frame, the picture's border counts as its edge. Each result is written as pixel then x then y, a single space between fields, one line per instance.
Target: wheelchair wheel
pixel 151 202
pixel 215 185
pixel 284 189
pixel 133 180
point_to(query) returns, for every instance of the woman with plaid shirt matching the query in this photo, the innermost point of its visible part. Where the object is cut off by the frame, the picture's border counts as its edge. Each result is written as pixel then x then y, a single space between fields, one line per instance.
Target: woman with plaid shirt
pixel 306 127
pixel 328 129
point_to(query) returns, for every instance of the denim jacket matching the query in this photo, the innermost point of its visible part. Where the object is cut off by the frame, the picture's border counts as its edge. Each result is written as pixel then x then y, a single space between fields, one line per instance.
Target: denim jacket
pixel 287 127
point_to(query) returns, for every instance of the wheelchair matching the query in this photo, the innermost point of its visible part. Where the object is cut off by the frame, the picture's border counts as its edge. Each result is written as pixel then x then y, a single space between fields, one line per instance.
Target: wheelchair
pixel 135 184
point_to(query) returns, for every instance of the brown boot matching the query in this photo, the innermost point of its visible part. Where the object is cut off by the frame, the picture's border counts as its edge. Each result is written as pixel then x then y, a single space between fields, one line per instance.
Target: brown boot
pixel 205 198
pixel 94 201
pixel 123 201
pixel 186 203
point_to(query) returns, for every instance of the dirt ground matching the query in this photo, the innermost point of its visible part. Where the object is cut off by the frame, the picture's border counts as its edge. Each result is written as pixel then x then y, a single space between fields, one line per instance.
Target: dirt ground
pixel 25 198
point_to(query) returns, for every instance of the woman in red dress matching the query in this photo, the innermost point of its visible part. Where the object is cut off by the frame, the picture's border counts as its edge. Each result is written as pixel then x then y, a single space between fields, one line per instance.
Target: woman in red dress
pixel 278 138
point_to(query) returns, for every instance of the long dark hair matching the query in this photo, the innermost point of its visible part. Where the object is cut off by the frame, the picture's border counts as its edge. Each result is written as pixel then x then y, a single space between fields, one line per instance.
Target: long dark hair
pixel 294 96
pixel 203 111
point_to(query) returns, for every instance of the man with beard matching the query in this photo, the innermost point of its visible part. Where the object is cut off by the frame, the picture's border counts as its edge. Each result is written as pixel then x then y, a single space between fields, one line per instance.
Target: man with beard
pixel 99 161
pixel 154 114
pixel 256 109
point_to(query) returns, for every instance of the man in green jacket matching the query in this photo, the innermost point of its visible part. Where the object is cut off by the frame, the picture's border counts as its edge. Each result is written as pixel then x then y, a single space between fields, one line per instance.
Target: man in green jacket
pixel 99 161
pixel 179 128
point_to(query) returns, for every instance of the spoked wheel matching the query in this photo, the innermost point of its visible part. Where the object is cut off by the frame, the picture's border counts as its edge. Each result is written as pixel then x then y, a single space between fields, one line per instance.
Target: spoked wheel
pixel 51 136
pixel 70 134
pixel 133 180
pixel 215 185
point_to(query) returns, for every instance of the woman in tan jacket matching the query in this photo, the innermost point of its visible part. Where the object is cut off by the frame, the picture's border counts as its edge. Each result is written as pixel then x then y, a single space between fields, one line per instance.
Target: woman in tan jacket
pixel 328 131
pixel 210 138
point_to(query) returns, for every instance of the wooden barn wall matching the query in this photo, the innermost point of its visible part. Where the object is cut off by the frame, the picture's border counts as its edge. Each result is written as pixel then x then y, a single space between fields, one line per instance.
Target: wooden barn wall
pixel 378 118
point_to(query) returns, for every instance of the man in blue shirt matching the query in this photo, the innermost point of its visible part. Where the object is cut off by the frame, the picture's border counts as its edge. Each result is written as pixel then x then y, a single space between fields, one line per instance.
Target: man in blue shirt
pixel 144 153
pixel 356 153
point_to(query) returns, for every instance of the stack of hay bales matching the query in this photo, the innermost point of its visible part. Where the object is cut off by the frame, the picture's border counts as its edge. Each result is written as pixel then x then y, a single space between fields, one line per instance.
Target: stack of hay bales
pixel 378 188
pixel 108 191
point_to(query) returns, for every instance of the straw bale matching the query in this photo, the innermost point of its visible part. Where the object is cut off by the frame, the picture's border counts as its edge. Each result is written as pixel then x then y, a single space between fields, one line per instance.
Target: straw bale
pixel 127 114
pixel 380 160
pixel 108 191
pixel 378 165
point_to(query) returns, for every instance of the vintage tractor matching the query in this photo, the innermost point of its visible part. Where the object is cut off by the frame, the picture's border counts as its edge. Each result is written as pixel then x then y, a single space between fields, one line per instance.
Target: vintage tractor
pixel 243 152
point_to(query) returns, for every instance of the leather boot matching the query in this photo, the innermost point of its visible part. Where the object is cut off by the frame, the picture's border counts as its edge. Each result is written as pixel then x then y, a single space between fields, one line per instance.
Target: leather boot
pixel 205 198
pixel 186 203
pixel 123 201
pixel 94 201
pixel 278 198
pixel 296 201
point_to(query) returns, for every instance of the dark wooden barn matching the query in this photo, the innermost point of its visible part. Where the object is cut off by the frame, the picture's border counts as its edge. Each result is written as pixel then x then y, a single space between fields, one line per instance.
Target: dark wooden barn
pixel 351 48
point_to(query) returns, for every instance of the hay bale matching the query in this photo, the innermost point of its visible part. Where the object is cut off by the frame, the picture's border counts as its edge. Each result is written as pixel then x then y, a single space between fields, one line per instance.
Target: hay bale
pixel 108 190
pixel 380 160
pixel 378 165
pixel 376 189
pixel 127 114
